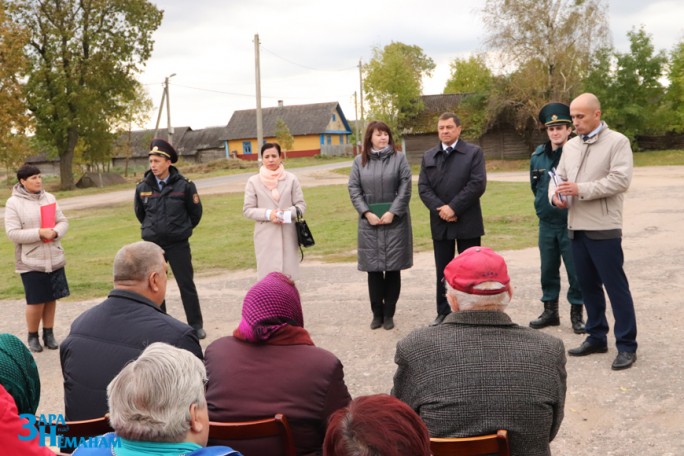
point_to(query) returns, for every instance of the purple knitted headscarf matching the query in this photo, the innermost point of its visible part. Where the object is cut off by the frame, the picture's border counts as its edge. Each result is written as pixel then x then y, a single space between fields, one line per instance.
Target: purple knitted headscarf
pixel 269 305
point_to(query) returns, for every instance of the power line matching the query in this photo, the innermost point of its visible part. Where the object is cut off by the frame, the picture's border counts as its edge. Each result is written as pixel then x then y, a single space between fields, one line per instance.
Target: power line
pixel 304 66
pixel 251 95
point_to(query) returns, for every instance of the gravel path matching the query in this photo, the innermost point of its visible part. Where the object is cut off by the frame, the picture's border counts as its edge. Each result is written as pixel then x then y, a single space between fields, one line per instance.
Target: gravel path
pixel 633 412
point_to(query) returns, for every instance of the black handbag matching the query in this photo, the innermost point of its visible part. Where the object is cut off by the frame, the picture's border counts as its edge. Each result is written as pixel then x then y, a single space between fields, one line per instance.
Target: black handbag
pixel 304 236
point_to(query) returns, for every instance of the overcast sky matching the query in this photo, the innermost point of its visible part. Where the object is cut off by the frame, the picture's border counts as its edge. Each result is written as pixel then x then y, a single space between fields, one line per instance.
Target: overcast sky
pixel 310 49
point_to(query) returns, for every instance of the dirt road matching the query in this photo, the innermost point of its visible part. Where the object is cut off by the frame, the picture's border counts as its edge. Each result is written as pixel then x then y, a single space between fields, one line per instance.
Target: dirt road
pixel 634 412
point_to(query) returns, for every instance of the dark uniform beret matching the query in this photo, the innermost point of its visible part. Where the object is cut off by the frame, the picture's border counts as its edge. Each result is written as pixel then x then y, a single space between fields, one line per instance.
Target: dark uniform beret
pixel 555 114
pixel 163 149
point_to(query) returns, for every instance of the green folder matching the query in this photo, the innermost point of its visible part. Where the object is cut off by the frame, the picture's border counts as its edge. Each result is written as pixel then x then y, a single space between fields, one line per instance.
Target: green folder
pixel 379 209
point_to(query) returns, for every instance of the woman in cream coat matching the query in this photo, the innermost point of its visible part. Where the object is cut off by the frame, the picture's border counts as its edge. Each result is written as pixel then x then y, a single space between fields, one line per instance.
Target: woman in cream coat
pixel 39 257
pixel 271 199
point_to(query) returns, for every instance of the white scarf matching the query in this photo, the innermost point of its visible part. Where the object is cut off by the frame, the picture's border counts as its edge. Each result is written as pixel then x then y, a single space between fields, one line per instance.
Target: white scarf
pixel 270 180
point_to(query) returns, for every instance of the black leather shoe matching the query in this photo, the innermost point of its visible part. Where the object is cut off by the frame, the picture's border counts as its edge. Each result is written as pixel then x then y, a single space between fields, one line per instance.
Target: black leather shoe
pixel 438 321
pixel 388 323
pixel 49 339
pixel 587 349
pixel 200 333
pixel 34 343
pixel 376 322
pixel 624 360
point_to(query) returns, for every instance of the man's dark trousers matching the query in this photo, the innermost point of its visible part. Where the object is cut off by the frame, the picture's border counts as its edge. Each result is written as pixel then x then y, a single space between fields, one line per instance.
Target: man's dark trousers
pixel 180 259
pixel 599 262
pixel 445 251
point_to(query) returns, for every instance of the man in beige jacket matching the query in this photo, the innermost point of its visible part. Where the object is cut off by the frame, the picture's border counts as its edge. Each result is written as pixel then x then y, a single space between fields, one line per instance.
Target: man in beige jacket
pixel 594 172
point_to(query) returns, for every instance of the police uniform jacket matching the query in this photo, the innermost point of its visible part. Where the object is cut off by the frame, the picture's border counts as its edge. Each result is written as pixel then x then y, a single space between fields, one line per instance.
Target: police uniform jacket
pixel 544 158
pixel 458 180
pixel 169 215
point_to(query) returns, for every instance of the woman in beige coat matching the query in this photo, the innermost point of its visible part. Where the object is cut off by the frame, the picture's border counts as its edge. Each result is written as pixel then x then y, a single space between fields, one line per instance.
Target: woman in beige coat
pixel 271 199
pixel 39 256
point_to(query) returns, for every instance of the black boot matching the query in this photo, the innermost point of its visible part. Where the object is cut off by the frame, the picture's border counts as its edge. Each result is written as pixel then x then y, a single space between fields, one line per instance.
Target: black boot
pixel 49 339
pixel 34 342
pixel 388 312
pixel 377 315
pixel 549 317
pixel 576 319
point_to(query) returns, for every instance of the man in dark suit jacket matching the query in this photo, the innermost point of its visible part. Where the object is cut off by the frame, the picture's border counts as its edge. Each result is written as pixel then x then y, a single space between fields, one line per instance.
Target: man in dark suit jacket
pixel 478 371
pixel 106 337
pixel 452 180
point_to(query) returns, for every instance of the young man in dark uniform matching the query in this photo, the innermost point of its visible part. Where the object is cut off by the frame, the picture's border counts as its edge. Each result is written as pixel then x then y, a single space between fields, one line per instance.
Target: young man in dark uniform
pixel 554 243
pixel 168 208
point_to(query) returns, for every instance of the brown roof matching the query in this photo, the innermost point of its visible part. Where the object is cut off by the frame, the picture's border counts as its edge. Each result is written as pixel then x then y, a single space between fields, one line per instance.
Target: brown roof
pixel 309 119
pixel 140 141
pixel 207 138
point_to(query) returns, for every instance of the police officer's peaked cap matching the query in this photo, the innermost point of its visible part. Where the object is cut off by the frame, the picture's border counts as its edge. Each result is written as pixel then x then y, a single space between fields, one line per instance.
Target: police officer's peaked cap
pixel 163 149
pixel 555 114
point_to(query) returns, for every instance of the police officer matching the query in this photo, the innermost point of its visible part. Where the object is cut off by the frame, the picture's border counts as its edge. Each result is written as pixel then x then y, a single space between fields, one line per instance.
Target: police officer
pixel 554 243
pixel 168 208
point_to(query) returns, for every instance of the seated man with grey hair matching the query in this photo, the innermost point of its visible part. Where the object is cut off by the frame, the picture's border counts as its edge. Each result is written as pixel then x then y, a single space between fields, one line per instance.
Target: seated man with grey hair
pixel 157 406
pixel 479 372
pixel 106 337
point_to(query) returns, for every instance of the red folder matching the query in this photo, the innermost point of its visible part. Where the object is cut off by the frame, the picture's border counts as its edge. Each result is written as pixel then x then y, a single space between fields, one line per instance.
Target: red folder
pixel 48 216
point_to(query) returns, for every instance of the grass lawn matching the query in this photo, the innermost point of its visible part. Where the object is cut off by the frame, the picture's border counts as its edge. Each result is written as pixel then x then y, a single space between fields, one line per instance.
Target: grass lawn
pixel 223 240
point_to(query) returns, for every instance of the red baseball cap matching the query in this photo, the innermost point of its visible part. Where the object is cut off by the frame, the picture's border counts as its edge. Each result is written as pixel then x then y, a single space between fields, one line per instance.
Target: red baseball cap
pixel 475 266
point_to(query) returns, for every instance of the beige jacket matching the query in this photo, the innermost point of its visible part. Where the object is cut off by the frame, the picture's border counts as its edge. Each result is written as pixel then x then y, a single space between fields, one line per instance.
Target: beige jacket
pixel 22 223
pixel 275 245
pixel 602 167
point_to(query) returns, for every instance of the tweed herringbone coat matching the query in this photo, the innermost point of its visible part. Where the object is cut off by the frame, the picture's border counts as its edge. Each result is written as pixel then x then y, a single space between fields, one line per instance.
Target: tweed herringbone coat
pixel 479 372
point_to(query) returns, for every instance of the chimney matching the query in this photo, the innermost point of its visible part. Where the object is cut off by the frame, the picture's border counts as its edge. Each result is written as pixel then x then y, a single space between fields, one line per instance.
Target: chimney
pixel 280 103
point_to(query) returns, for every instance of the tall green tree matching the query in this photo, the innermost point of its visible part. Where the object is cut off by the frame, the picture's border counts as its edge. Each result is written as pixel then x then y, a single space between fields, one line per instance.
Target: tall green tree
pixel 137 113
pixel 14 117
pixel 546 44
pixel 674 96
pixel 469 75
pixel 638 90
pixel 84 55
pixel 630 87
pixel 393 83
pixel 475 80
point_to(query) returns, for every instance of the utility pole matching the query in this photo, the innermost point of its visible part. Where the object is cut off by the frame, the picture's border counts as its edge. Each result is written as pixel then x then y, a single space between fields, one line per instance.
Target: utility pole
pixel 259 119
pixel 356 115
pixel 169 128
pixel 161 106
pixel 165 98
pixel 363 123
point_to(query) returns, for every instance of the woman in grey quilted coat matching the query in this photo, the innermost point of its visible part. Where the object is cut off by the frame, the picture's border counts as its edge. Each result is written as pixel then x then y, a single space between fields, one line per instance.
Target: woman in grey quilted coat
pixel 380 190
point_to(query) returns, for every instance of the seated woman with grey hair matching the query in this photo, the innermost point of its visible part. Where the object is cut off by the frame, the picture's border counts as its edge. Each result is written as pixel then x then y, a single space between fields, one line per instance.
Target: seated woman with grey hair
pixel 157 406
